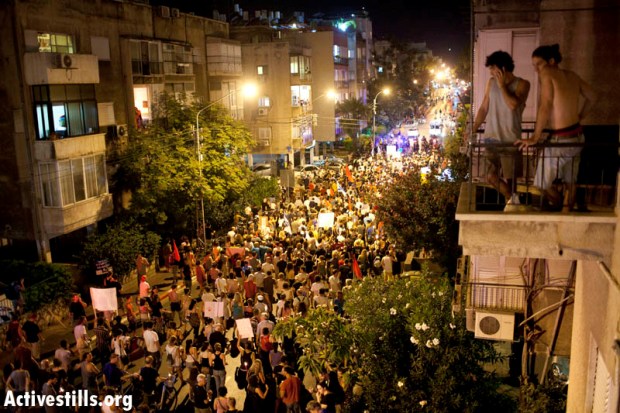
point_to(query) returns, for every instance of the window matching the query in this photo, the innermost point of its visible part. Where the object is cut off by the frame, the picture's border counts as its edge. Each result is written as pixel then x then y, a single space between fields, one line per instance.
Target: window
pixel 56 43
pixel 177 59
pixel 380 69
pixel 67 182
pixel 294 65
pixel 261 70
pixel 65 110
pixel 263 102
pixel 351 54
pixel 300 95
pixel 146 58
pixel 337 51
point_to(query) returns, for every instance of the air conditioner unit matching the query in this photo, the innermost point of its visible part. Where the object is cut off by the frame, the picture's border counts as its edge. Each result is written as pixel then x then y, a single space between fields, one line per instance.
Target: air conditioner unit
pixel 263 111
pixel 64 61
pixel 495 326
pixel 175 13
pixel 164 11
pixel 121 131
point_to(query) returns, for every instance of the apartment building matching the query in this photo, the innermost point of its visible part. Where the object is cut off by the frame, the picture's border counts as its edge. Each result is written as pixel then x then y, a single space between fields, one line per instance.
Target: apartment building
pixel 77 78
pixel 549 283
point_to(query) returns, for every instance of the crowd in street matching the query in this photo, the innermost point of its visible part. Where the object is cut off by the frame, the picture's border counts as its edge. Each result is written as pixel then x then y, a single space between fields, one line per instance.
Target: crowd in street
pixel 278 261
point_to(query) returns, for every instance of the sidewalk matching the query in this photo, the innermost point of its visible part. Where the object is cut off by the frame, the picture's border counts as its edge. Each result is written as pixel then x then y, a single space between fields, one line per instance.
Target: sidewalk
pixel 54 333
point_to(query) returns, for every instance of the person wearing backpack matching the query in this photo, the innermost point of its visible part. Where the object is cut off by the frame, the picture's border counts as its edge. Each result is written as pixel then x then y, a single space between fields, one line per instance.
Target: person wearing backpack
pixel 174 358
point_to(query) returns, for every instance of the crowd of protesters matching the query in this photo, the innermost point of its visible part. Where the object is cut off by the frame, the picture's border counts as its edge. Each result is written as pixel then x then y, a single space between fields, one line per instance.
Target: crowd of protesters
pixel 279 260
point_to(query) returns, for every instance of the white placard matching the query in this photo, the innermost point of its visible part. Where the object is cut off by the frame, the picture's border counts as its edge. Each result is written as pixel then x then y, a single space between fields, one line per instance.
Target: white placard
pixel 263 223
pixel 326 220
pixel 104 299
pixel 213 309
pixel 244 328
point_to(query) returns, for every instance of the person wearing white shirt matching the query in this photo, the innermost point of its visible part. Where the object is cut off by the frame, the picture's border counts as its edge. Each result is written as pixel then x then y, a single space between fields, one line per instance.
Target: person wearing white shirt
pixel 151 342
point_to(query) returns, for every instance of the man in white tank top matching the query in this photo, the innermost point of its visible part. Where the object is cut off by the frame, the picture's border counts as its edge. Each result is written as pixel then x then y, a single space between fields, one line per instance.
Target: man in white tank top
pixel 502 107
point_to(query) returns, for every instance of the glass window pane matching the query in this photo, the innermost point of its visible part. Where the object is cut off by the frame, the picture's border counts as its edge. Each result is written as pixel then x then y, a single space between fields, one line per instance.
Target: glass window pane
pixel 36 93
pixel 43 122
pixel 91 119
pixel 102 180
pixel 90 176
pixel 49 182
pixel 66 182
pixel 59 114
pixel 76 120
pixel 73 92
pixel 78 179
pixel 57 93
pixel 87 92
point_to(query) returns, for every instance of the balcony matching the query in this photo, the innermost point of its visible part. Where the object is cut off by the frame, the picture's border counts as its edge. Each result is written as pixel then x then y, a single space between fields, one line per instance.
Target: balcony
pixel 58 221
pixel 69 148
pixel 223 57
pixel 341 61
pixel 341 84
pixel 60 69
pixel 147 68
pixel 535 228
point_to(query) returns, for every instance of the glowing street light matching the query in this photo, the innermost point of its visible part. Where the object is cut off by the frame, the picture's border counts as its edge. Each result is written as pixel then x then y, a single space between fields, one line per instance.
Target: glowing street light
pixel 385 91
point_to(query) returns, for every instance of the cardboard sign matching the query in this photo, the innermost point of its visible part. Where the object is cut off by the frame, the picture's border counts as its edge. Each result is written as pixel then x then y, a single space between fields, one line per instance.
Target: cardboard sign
pixel 103 267
pixel 244 328
pixel 213 309
pixel 326 220
pixel 104 299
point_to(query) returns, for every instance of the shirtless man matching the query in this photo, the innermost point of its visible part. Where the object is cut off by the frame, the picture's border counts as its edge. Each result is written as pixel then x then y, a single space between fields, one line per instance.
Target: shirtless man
pixel 560 110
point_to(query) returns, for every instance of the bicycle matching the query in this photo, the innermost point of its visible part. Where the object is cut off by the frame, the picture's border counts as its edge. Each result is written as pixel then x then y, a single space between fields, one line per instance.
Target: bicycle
pixel 168 399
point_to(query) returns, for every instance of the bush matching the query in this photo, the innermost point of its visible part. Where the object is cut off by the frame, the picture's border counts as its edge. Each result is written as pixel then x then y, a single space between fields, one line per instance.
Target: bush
pixel 44 283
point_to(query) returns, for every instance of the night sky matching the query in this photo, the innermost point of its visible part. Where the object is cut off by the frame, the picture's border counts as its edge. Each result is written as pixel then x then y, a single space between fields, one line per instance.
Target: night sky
pixel 442 24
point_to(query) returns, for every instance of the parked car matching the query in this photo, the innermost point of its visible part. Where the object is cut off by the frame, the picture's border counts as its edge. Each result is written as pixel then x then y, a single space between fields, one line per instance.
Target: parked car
pixel 305 169
pixel 262 169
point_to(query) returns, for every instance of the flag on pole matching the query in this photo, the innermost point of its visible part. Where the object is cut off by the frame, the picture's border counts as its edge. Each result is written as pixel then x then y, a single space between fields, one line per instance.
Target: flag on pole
pixel 347 172
pixel 357 271
pixel 175 251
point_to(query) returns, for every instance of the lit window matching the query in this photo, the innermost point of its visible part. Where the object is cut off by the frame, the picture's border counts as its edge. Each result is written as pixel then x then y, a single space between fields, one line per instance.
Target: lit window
pixel 300 95
pixel 294 65
pixel 263 102
pixel 65 110
pixel 380 69
pixel 56 43
pixel 261 70
pixel 67 182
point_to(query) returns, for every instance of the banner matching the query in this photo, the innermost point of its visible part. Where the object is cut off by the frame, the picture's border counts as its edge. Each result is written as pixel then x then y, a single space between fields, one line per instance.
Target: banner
pixel 103 267
pixel 213 309
pixel 175 251
pixel 244 328
pixel 231 251
pixel 104 299
pixel 326 220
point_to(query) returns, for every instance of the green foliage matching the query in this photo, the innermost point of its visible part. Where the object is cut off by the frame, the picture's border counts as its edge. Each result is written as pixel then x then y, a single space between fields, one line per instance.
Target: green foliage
pixel 459 162
pixel 45 283
pixel 161 170
pixel 420 211
pixel 547 398
pixel 259 189
pixel 120 243
pixel 401 343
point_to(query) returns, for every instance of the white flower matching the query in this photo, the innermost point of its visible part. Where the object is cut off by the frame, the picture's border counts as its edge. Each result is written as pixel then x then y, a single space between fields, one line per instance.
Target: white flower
pixel 418 326
pixel 423 403
pixel 452 326
pixel 414 341
pixel 436 341
pixel 392 311
pixel 399 296
pixel 440 293
pixel 383 301
pixel 400 383
pixel 381 338
pixel 407 306
pixel 425 327
pixel 433 294
pixel 429 344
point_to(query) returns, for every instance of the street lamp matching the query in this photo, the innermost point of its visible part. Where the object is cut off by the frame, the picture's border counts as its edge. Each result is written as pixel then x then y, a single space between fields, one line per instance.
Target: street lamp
pixel 247 90
pixel 385 91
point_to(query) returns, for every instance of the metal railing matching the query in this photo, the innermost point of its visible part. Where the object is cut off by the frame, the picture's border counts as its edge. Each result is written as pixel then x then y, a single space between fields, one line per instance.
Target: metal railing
pixel 497 297
pixel 147 68
pixel 580 175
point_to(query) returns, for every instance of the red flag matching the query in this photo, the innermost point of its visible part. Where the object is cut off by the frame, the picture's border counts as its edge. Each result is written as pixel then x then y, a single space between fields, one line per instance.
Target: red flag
pixel 347 172
pixel 175 251
pixel 357 271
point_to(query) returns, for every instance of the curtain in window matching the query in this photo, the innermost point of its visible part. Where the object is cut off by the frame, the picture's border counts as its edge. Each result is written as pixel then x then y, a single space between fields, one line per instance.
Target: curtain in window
pixel 78 179
pixel 49 182
pixel 90 176
pixel 102 180
pixel 66 182
pixel 76 119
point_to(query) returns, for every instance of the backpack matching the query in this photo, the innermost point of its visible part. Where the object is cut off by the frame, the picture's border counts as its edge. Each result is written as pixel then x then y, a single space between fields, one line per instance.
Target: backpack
pixel 377 262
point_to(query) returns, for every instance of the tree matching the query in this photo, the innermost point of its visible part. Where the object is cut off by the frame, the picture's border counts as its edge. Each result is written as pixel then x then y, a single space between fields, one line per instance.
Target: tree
pixel 119 243
pixel 163 174
pixel 419 211
pixel 401 343
pixel 351 112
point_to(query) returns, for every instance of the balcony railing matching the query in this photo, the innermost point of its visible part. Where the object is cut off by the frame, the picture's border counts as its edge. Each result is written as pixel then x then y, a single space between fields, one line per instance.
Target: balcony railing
pixel 497 297
pixel 583 175
pixel 341 60
pixel 147 68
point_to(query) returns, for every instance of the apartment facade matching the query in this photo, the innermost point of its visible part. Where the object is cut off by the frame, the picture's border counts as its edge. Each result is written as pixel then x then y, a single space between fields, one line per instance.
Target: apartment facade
pixel 84 75
pixel 551 281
